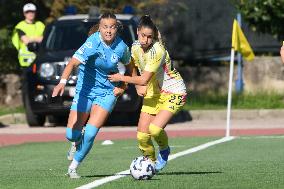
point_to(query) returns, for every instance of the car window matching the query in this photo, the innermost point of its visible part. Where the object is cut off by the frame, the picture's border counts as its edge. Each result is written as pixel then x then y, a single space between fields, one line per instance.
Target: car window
pixel 71 36
pixel 128 34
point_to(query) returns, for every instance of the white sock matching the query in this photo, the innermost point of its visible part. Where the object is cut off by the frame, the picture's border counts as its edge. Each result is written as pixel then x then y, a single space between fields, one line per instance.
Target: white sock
pixel 74 164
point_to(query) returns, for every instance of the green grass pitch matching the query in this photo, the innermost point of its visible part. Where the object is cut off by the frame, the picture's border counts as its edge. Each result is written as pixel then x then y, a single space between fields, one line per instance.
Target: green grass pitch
pixel 242 163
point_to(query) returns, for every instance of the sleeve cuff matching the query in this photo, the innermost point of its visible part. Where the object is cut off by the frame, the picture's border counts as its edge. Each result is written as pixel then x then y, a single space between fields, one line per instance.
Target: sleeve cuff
pixel 80 58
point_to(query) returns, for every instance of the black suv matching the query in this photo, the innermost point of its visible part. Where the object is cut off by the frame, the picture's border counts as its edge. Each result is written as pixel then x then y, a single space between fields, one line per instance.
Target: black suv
pixel 61 39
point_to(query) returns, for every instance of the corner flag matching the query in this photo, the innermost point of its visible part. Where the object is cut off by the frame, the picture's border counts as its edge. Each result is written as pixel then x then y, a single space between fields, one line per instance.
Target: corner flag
pixel 240 43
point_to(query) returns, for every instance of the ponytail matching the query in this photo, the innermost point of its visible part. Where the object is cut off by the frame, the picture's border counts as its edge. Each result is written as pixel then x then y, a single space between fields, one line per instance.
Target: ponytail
pixel 93 29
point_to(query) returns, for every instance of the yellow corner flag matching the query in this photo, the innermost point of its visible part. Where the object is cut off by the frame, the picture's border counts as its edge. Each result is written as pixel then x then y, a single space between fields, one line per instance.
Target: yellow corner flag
pixel 240 43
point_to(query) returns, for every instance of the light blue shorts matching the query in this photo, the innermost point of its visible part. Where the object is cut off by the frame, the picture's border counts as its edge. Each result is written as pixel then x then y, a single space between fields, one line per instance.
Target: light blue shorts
pixel 82 103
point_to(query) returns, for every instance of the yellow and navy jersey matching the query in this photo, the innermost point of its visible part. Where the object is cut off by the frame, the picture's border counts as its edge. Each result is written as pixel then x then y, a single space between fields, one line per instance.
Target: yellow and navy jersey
pixel 156 59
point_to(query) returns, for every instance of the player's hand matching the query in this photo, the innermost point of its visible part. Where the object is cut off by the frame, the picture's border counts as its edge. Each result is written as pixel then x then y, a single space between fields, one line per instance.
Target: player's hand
pixel 141 90
pixel 118 91
pixel 115 77
pixel 58 89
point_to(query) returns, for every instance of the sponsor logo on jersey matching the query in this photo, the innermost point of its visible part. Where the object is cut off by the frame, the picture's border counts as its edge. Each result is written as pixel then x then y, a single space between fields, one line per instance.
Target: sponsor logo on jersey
pixel 101 55
pixel 114 58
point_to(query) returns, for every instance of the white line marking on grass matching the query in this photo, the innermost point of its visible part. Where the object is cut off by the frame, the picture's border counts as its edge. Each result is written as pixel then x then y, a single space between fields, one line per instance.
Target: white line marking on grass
pixel 121 174
pixel 200 147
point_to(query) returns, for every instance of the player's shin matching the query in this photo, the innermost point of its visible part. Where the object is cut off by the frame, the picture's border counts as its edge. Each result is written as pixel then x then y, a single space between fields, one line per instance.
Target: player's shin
pixel 161 138
pixel 87 142
pixel 75 136
pixel 159 135
pixel 146 145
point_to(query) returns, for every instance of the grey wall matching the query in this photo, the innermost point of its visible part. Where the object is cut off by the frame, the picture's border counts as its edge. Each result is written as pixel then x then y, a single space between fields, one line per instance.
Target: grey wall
pixel 264 74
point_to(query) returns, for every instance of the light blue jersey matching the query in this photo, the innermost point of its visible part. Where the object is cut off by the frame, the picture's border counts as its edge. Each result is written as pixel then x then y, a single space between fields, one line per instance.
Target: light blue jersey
pixel 98 61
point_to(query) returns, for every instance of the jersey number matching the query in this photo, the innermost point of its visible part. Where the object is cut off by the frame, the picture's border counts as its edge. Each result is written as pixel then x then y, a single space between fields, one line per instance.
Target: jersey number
pixel 173 98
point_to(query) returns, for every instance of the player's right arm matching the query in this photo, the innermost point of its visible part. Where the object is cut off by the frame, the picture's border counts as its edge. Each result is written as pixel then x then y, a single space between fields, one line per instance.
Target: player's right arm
pixel 59 89
pixel 282 52
pixel 82 55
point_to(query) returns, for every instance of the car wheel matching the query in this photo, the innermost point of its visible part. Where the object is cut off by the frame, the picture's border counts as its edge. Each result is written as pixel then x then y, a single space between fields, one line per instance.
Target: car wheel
pixel 34 120
pixel 57 120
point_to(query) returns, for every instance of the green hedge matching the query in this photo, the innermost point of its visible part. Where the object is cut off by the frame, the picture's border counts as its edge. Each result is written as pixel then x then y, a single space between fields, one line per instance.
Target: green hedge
pixel 263 100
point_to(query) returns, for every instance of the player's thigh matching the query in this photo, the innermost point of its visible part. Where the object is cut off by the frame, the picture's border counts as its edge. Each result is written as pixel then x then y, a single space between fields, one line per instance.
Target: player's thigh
pixel 144 121
pixel 98 116
pixel 102 106
pixel 169 104
pixel 162 118
pixel 77 120
pixel 79 111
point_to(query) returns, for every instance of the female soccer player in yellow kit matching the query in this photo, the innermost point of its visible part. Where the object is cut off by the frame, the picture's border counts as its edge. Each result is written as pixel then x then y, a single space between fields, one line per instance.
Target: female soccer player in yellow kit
pixel 161 85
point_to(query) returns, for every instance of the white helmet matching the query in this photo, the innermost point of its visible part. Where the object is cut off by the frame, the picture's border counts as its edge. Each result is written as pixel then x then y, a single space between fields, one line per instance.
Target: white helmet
pixel 29 7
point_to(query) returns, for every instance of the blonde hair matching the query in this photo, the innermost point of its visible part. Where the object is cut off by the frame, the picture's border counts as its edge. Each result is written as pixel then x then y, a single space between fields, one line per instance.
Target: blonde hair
pixel 93 29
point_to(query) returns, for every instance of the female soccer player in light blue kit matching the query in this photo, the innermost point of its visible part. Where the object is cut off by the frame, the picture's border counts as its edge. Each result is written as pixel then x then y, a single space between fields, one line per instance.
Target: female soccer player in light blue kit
pixel 95 94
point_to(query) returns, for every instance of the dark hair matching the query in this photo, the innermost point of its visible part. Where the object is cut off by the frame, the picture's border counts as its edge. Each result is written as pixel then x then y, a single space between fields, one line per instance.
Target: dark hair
pixel 146 21
pixel 108 15
pixel 95 27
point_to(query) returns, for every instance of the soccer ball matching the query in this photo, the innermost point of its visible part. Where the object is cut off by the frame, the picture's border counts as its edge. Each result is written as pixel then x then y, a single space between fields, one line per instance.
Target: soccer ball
pixel 142 168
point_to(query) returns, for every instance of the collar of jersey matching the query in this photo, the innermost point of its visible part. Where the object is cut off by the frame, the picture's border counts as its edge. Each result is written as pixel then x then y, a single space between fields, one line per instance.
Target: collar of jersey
pixel 104 44
pixel 148 50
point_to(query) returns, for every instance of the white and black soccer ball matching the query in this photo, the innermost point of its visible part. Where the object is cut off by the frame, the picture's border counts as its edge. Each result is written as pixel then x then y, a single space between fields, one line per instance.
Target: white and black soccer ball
pixel 142 168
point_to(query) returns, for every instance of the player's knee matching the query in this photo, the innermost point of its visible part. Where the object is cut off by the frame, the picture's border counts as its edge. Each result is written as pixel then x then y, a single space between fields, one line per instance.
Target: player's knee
pixel 143 137
pixel 155 130
pixel 73 135
pixel 91 132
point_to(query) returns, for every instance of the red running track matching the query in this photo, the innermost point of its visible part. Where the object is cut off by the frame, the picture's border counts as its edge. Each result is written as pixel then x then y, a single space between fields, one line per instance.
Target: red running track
pixel 14 139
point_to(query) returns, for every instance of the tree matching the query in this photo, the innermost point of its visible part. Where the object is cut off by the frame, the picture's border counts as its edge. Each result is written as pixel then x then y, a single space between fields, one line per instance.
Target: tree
pixel 165 13
pixel 58 6
pixel 265 16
